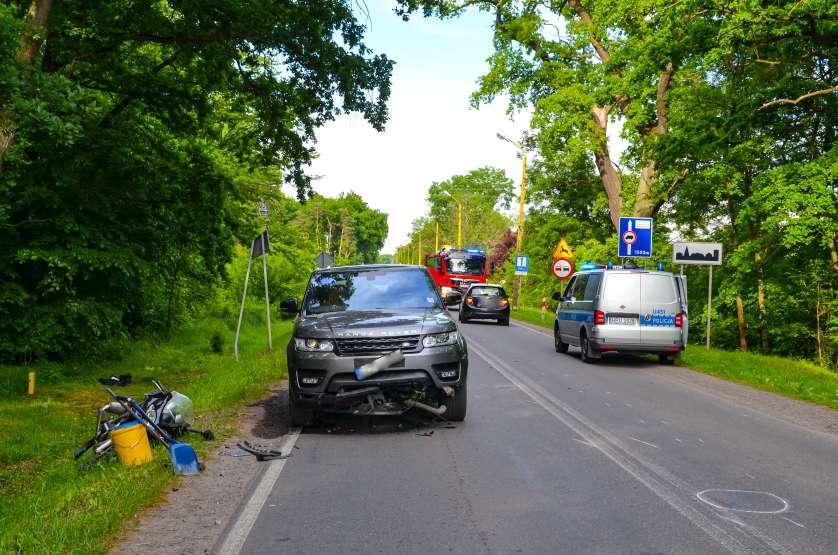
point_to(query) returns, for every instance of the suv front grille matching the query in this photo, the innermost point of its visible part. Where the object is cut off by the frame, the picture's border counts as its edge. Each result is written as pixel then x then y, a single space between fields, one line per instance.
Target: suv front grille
pixel 377 345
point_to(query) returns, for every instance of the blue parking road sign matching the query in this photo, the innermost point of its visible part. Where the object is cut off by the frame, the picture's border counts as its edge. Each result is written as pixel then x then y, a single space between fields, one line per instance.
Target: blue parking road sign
pixel 635 237
pixel 522 264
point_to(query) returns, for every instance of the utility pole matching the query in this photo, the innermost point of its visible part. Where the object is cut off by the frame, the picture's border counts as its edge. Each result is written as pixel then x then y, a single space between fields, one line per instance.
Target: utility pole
pixel 519 240
pixel 436 239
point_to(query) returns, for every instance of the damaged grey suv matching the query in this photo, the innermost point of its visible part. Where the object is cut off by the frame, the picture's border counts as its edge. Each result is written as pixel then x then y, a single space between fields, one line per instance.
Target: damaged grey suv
pixel 374 340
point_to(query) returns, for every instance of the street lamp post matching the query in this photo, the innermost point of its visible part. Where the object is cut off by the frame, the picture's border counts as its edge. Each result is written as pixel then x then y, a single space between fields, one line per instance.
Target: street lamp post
pixel 459 219
pixel 517 291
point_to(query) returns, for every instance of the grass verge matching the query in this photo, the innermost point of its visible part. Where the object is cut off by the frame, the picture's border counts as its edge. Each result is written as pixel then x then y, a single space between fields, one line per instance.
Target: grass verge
pixel 50 505
pixel 797 379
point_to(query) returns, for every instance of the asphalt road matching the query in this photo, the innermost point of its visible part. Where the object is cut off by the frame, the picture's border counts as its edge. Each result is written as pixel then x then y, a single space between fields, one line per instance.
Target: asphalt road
pixel 556 456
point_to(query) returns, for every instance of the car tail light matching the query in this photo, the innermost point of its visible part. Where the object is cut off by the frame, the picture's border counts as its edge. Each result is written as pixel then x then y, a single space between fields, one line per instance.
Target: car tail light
pixel 679 320
pixel 599 318
pixel 469 300
pixel 504 302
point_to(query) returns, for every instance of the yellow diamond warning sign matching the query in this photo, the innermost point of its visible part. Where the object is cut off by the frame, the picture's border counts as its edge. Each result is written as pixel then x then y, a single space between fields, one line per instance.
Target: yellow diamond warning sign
pixel 563 250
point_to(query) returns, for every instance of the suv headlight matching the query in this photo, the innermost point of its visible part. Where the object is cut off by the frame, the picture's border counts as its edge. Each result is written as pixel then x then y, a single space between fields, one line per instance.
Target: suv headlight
pixel 314 344
pixel 439 339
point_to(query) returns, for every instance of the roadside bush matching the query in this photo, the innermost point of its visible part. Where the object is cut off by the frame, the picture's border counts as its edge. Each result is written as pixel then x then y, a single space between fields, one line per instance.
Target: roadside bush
pixel 217 342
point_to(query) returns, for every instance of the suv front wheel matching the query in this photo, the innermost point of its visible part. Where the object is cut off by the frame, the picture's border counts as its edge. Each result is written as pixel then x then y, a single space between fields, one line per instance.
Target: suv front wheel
pixel 297 415
pixel 455 407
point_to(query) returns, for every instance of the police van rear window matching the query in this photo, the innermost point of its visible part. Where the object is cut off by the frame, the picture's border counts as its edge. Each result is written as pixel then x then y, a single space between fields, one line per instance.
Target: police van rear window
pixel 658 289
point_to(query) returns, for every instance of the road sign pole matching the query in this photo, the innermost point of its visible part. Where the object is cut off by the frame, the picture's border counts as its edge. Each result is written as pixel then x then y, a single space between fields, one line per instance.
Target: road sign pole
pixel 709 302
pixel 241 311
pixel 267 296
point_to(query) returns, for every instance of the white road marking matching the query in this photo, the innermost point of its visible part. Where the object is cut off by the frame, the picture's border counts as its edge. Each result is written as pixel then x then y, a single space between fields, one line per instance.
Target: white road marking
pixel 749 476
pixel 678 440
pixel 607 404
pixel 643 442
pixel 642 421
pixel 657 479
pixel 628 405
pixel 703 498
pixel 239 532
pixel 532 329
pixel 793 522
pixel 583 442
pixel 664 422
pixel 700 440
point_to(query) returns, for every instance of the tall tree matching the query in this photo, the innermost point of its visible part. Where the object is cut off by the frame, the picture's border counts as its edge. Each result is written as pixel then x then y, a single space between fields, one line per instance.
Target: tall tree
pixel 135 138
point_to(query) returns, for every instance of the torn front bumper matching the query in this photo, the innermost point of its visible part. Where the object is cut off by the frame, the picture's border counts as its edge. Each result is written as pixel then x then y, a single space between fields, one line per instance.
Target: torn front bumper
pixel 327 381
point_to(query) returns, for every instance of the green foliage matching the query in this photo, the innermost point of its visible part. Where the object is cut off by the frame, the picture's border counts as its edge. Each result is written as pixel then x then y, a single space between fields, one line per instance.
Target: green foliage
pixel 50 505
pixel 729 112
pixel 134 141
pixel 217 342
pixel 482 193
pixel 344 226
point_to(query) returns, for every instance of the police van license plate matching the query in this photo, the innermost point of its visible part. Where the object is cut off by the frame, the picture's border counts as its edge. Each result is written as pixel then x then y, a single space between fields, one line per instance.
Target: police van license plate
pixel 622 320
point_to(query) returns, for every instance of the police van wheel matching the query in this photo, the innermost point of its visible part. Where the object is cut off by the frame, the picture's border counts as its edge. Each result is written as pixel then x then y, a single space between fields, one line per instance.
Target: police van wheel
pixel 668 358
pixel 561 346
pixel 585 345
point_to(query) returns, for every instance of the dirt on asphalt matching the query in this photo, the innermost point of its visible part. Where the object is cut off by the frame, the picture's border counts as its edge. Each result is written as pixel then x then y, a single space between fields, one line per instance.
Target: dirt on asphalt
pixel 197 508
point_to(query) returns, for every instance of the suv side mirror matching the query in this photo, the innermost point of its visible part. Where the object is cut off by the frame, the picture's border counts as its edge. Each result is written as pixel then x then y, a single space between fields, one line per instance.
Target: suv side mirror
pixel 557 296
pixel 454 297
pixel 289 305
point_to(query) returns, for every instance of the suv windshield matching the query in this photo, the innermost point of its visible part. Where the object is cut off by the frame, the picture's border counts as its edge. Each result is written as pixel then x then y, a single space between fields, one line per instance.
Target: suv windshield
pixel 385 288
pixel 471 265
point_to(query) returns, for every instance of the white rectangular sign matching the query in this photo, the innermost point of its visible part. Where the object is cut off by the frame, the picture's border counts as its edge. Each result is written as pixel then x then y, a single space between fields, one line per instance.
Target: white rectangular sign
pixel 706 254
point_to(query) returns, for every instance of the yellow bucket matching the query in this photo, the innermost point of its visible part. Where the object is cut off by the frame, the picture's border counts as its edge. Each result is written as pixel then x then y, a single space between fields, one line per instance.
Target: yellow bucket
pixel 130 440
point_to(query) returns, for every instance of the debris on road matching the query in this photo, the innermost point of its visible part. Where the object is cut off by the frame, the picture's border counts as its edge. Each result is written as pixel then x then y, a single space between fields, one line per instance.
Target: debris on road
pixel 261 453
pixel 426 434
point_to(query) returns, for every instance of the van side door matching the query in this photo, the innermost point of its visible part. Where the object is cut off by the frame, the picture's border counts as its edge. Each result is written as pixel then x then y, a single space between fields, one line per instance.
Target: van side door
pixel 620 300
pixel 660 303
pixel 565 305
pixel 577 310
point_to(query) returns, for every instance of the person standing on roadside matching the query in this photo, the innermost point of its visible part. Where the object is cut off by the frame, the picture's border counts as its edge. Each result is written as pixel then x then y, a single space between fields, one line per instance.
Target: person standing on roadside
pixel 543 307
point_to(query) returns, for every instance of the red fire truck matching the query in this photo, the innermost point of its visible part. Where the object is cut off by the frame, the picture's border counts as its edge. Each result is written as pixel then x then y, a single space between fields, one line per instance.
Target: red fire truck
pixel 457 268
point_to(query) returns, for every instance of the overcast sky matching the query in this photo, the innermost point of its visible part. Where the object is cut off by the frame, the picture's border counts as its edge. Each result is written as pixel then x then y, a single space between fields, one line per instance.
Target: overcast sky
pixel 432 133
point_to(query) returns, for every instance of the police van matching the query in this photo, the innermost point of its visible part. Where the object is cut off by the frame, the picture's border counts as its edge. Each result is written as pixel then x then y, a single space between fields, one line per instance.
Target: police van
pixel 623 309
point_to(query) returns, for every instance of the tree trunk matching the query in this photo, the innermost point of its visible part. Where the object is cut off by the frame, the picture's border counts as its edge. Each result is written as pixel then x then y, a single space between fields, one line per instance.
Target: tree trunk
pixel 740 322
pixel 643 205
pixel 763 324
pixel 36 18
pixel 611 180
pixel 818 325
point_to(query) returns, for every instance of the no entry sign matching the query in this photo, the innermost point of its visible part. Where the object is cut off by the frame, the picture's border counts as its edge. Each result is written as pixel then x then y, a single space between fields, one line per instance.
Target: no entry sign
pixel 562 268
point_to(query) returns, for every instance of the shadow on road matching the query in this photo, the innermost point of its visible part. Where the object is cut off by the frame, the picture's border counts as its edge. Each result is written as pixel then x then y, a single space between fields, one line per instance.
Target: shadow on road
pixel 272 421
pixel 410 422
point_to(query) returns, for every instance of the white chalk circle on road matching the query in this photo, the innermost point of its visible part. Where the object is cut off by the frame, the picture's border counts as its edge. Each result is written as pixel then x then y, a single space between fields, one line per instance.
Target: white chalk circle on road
pixel 744 501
